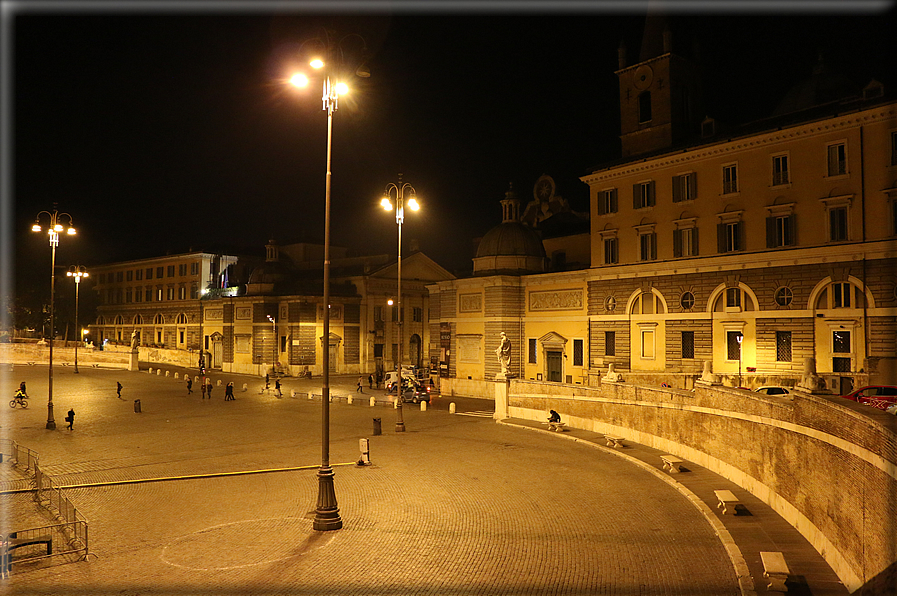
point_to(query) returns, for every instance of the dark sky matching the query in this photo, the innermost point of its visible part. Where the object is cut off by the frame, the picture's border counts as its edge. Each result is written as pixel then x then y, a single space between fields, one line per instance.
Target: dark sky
pixel 167 130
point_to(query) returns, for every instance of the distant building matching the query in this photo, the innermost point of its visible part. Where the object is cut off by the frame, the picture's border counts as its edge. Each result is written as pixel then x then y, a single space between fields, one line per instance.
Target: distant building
pixel 753 247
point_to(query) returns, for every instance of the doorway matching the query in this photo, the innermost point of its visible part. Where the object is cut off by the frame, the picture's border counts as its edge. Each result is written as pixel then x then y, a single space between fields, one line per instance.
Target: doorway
pixel 553 365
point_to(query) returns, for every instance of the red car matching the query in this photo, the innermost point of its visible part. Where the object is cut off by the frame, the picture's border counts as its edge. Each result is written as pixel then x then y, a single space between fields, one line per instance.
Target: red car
pixel 877 396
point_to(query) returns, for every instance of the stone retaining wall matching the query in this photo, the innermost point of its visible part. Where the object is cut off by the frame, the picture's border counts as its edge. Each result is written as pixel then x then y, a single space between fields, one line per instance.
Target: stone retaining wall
pixel 826 465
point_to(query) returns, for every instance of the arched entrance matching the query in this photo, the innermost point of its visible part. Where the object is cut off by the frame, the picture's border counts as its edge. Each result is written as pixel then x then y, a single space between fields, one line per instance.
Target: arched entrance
pixel 414 348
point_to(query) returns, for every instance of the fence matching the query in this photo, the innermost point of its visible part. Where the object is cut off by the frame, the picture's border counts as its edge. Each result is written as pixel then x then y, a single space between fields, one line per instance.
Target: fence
pixel 69 537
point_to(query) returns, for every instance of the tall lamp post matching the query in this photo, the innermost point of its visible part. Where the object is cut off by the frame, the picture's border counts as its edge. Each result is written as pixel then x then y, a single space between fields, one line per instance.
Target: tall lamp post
pixel 739 338
pixel 53 230
pixel 77 272
pixel 327 511
pixel 400 189
pixel 274 349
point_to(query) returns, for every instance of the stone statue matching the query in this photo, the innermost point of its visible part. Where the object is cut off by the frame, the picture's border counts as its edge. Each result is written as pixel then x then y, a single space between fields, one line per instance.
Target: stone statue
pixel 707 377
pixel 134 341
pixel 612 376
pixel 810 381
pixel 503 351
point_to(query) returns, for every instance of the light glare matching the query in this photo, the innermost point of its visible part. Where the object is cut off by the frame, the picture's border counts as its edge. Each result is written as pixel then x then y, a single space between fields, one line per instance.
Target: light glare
pixel 35 228
pixel 413 204
pixel 384 202
pixel 316 63
pixel 299 80
pixel 341 88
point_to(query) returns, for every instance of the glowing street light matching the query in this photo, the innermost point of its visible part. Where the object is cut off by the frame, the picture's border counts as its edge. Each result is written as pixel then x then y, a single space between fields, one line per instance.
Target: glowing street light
pixel 77 272
pixel 327 512
pixel 386 202
pixel 53 229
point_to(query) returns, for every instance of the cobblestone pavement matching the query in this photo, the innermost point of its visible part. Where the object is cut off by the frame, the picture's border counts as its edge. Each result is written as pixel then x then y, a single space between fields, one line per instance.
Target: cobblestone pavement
pixel 455 505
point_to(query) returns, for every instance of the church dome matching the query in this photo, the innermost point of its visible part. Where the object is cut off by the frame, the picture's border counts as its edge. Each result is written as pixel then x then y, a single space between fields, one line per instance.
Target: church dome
pixel 511 238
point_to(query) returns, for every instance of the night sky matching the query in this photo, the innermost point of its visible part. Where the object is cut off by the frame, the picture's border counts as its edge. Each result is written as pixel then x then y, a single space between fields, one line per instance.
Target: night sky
pixel 166 130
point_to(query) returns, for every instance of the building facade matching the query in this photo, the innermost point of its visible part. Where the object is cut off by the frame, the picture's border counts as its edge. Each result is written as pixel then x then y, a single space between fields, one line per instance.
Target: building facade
pixel 754 248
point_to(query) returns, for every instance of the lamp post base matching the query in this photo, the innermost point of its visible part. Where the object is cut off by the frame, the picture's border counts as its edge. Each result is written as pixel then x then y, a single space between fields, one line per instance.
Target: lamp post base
pixel 51 423
pixel 327 513
pixel 400 421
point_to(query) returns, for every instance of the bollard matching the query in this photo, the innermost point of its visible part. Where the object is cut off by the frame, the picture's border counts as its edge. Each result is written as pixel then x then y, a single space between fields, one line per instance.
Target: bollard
pixel 137 406
pixel 219 382
pixel 167 373
pixel 151 370
pixel 395 403
pixel 364 446
pixel 373 401
pixel 349 400
pixel 158 371
pixel 175 376
pixel 245 386
pixel 292 393
pixel 377 428
pixel 452 408
pixel 423 406
pixel 310 396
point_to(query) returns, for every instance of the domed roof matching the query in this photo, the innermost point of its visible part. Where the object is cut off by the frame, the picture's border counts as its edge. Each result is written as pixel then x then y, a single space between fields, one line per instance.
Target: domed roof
pixel 511 238
pixel 822 87
pixel 269 272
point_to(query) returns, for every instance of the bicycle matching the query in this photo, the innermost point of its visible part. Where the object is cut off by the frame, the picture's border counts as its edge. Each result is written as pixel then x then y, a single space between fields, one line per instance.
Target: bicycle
pixel 19 400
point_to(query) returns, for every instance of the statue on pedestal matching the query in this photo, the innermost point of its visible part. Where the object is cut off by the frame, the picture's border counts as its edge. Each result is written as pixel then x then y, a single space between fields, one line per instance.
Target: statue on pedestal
pixel 612 376
pixel 707 377
pixel 503 351
pixel 134 339
pixel 810 381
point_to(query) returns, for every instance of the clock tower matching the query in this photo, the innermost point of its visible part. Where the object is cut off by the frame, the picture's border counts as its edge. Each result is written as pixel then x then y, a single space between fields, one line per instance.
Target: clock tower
pixel 659 95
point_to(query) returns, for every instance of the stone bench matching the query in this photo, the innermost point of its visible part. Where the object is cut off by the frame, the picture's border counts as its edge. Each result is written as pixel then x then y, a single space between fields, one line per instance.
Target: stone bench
pixel 615 442
pixel 671 463
pixel 726 499
pixel 776 570
pixel 557 426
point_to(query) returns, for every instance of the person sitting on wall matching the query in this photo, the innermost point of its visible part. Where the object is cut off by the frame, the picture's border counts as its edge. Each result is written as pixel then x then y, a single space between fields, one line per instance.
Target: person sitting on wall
pixel 555 417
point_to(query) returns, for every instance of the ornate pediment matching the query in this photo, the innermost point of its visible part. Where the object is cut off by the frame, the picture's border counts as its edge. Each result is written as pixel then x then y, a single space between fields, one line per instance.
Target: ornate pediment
pixel 553 340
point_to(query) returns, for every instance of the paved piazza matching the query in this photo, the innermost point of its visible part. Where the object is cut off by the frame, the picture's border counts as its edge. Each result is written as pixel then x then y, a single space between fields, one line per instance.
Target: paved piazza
pixel 456 505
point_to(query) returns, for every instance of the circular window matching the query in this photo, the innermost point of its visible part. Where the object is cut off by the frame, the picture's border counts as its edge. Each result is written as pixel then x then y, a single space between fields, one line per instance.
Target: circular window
pixel 784 296
pixel 687 300
pixel 610 303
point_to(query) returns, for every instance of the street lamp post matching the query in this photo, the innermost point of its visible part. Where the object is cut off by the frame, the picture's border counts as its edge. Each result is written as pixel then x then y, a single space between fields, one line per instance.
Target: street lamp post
pixel 327 511
pixel 400 188
pixel 53 230
pixel 739 338
pixel 77 272
pixel 274 349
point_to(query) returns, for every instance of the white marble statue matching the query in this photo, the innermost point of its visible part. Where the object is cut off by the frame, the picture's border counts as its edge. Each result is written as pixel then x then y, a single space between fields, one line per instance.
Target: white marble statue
pixel 503 351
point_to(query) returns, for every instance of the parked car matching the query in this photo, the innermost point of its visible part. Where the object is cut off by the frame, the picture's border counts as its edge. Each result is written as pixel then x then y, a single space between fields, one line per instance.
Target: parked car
pixel 878 396
pixel 772 390
pixel 416 393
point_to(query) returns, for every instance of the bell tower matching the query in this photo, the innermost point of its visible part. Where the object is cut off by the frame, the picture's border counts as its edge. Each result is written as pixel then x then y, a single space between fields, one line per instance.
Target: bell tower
pixel 659 95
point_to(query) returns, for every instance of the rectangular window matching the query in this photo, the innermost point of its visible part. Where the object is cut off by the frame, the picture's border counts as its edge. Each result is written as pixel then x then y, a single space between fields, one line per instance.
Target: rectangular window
pixel 610 343
pixel 182 269
pixel 129 275
pixel 643 195
pixel 171 271
pixel 119 276
pixel 138 294
pixel 647 247
pixel 138 275
pixel 194 292
pixel 149 272
pixel 894 148
pixel 733 297
pixel 688 344
pixel 837 159
pixel 841 295
pixel 730 179
pixel 780 231
pixel 783 346
pixel 647 344
pixel 148 294
pixel 685 242
pixel 395 352
pixel 128 295
pixel 577 352
pixel 733 346
pixel 159 293
pixel 160 272
pixel 607 201
pixel 378 350
pixel 417 314
pixel 610 251
pixel 378 313
pixel 102 278
pixel 841 342
pixel 182 293
pixel 685 187
pixel 194 268
pixel 170 293
pixel 532 351
pixel 729 235
pixel 837 218
pixel 780 170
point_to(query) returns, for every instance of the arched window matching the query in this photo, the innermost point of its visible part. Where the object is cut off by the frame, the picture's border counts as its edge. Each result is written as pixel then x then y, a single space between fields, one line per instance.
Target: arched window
pixel 119 320
pixel 159 319
pixel 182 319
pixel 101 320
pixel 138 320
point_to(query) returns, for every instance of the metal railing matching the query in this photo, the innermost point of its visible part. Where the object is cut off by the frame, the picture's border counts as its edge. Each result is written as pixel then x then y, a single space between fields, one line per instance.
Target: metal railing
pixel 67 538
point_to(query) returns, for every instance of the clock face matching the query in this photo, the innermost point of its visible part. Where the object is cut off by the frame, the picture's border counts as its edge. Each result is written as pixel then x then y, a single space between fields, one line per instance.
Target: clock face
pixel 643 77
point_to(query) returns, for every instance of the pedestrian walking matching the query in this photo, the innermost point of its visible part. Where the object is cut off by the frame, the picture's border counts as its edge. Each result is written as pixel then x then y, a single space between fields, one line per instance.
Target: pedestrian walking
pixel 203 388
pixel 370 381
pixel 118 389
pixel 359 389
pixel 277 391
pixel 229 392
pixel 189 385
pixel 209 388
pixel 267 382
pixel 70 418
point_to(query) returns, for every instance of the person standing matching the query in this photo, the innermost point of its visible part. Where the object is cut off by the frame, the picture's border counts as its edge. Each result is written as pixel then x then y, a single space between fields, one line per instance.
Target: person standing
pixel 70 418
pixel 229 392
pixel 209 388
pixel 189 385
pixel 277 391
pixel 267 381
pixel 118 389
pixel 203 388
pixel 370 381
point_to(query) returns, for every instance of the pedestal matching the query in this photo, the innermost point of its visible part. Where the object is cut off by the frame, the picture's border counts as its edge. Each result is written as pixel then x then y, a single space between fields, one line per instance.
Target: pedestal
pixel 132 362
pixel 502 388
